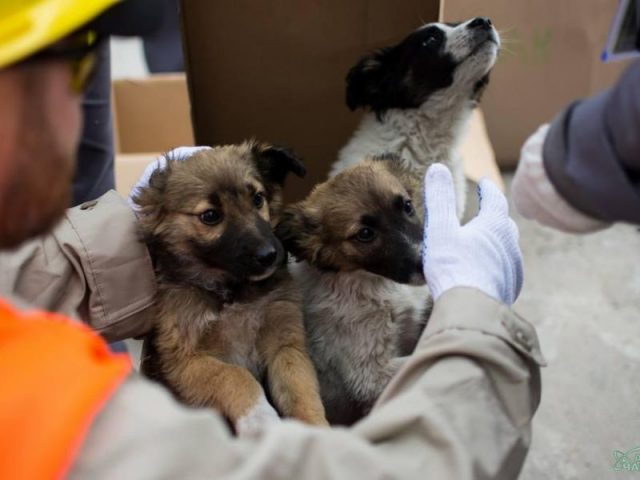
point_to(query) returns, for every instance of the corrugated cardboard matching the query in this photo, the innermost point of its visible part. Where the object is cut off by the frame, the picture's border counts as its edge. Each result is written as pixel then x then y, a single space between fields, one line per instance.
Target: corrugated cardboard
pixel 551 57
pixel 151 114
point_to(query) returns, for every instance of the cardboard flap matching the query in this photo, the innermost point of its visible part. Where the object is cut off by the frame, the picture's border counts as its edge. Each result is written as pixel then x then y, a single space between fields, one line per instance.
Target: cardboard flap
pixel 477 153
pixel 151 114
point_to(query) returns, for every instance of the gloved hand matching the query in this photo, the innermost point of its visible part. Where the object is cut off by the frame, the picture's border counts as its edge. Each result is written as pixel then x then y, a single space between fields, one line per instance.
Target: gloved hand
pixel 483 254
pixel 178 153
pixel 535 197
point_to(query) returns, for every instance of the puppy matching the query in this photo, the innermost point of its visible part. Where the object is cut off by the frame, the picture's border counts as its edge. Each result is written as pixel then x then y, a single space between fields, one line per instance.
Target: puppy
pixel 228 316
pixel 358 239
pixel 420 94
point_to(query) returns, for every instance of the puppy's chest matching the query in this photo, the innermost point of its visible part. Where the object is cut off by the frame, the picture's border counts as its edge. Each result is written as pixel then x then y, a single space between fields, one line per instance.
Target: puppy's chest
pixel 233 336
pixel 367 328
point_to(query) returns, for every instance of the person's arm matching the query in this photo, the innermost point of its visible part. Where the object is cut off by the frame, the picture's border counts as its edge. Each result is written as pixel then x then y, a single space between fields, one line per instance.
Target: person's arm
pixel 592 152
pixel 583 173
pixel 92 266
pixel 460 408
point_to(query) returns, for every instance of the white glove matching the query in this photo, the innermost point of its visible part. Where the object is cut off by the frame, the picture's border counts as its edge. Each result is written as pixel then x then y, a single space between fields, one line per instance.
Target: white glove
pixel 535 197
pixel 483 254
pixel 178 153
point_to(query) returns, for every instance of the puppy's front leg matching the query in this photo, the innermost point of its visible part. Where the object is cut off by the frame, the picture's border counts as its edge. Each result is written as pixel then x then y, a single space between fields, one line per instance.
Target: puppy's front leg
pixel 203 380
pixel 396 364
pixel 292 378
pixel 366 382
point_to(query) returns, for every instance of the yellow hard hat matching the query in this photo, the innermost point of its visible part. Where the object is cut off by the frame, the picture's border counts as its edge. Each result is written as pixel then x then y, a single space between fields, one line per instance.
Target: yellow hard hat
pixel 27 26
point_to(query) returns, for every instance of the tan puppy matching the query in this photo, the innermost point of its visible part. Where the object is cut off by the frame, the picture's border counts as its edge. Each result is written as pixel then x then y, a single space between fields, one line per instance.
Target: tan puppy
pixel 359 237
pixel 228 317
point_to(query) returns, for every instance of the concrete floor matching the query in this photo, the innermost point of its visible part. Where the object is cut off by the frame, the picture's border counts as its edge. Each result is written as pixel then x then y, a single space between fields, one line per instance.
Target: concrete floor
pixel 583 295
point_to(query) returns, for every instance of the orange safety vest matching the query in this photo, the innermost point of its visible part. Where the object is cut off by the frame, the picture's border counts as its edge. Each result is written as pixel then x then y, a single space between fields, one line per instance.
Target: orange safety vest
pixel 55 376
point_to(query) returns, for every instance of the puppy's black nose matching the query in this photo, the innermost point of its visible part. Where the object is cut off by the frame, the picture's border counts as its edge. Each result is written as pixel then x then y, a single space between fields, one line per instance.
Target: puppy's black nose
pixel 266 255
pixel 483 23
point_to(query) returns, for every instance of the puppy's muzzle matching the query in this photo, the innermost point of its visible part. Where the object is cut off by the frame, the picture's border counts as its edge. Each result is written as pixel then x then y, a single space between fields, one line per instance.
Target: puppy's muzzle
pixel 481 23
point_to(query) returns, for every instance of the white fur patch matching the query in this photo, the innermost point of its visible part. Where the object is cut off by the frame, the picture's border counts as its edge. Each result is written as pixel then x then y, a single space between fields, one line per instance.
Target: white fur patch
pixel 259 418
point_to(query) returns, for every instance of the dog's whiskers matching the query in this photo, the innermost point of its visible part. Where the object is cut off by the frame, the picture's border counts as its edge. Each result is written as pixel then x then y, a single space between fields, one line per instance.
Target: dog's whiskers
pixel 422 22
pixel 506 30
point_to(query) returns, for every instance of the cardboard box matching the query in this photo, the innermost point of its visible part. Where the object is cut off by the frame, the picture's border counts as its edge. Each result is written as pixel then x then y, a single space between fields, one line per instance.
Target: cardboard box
pixel 151 115
pixel 551 57
pixel 276 71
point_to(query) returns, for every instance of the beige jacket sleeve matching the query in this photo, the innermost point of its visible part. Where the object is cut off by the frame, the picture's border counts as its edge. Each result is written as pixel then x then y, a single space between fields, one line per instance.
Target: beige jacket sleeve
pixel 459 409
pixel 92 266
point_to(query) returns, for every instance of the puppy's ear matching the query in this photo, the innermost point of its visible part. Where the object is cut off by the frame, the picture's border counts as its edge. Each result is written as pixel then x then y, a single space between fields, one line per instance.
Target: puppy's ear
pixel 274 163
pixel 365 81
pixel 296 230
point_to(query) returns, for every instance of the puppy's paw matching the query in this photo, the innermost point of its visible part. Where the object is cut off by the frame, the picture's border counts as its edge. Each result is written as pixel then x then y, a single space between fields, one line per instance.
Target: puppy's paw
pixel 312 415
pixel 318 420
pixel 261 416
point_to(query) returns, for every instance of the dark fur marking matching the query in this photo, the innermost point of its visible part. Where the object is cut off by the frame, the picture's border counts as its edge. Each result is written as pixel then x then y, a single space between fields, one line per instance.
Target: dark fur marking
pixel 214 199
pixel 370 220
pixel 234 252
pixel 275 163
pixel 398 203
pixel 402 76
pixel 479 88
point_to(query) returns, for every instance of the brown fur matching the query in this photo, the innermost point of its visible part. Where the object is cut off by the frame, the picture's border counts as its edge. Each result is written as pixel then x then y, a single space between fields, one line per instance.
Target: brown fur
pixel 221 332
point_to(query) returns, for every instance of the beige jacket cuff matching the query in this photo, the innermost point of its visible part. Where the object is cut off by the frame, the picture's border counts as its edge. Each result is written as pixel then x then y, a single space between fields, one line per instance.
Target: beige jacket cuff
pixel 469 309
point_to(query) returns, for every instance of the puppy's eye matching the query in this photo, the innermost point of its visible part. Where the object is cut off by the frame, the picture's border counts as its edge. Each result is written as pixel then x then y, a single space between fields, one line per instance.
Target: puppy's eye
pixel 365 235
pixel 408 208
pixel 210 217
pixel 430 41
pixel 258 200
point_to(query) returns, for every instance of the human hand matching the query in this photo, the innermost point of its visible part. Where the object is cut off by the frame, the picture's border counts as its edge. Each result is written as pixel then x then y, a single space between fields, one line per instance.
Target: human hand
pixel 535 197
pixel 483 254
pixel 178 153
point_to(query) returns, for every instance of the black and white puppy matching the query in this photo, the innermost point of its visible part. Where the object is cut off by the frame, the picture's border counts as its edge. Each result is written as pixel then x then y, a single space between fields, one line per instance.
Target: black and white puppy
pixel 420 93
